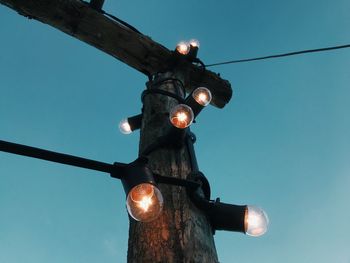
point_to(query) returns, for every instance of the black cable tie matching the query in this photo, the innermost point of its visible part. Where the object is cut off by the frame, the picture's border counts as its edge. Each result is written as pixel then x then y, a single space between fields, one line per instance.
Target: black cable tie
pixel 205 186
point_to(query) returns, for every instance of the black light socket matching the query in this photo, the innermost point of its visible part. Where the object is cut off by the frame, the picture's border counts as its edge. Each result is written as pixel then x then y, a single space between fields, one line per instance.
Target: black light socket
pixel 192 54
pixel 136 173
pixel 227 216
pixel 195 106
pixel 135 122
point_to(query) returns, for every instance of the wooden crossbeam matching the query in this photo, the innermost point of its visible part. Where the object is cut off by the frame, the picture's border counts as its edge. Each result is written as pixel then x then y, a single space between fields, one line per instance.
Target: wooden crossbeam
pixel 80 20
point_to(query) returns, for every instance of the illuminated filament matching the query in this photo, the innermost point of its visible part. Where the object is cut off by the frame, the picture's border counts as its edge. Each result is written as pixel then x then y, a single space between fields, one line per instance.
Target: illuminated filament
pixel 142 191
pixel 145 203
pixel 183 48
pixel 181 116
pixel 256 221
pixel 202 96
pixel 194 43
pixel 142 196
pixel 125 127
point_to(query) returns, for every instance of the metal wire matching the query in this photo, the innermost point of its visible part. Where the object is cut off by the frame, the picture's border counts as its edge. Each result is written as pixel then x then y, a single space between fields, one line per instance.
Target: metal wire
pixel 279 55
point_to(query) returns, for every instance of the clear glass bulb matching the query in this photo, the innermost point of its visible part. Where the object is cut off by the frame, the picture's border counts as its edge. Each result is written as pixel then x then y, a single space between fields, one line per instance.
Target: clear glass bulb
pixel 183 47
pixel 144 202
pixel 194 43
pixel 181 116
pixel 202 96
pixel 256 221
pixel 124 127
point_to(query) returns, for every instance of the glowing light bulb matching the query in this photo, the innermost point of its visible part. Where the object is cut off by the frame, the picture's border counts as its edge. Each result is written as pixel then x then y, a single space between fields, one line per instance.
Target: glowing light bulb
pixel 183 48
pixel 181 116
pixel 124 127
pixel 202 96
pixel 255 221
pixel 194 43
pixel 144 202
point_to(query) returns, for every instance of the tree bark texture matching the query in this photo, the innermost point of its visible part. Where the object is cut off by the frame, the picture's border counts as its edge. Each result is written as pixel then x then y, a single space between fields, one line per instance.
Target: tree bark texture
pixel 80 20
pixel 182 233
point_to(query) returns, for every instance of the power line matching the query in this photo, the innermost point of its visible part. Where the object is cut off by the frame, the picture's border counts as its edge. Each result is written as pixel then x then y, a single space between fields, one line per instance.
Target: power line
pixel 279 55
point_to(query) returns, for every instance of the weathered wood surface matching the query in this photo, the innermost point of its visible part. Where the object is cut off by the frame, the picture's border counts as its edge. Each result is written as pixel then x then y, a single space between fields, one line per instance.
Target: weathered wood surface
pixel 182 233
pixel 79 20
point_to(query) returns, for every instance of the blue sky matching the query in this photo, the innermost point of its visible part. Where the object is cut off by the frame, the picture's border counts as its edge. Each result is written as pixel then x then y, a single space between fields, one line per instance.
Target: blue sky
pixel 282 143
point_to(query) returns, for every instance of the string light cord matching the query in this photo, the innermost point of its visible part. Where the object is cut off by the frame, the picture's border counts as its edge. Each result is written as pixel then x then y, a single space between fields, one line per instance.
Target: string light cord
pixel 160 142
pixel 56 157
pixel 279 55
pixel 111 16
pixel 196 173
pixel 173 136
pixel 121 22
pixel 156 83
pixel 162 92
pixel 113 169
pixel 190 184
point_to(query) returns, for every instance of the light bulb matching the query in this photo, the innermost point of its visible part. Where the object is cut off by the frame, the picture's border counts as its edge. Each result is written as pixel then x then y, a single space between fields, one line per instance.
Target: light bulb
pixel 181 116
pixel 194 43
pixel 144 202
pixel 255 221
pixel 202 96
pixel 124 127
pixel 183 48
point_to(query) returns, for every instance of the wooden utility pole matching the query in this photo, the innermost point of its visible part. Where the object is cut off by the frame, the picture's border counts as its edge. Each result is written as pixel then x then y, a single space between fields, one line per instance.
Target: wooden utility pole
pixel 183 232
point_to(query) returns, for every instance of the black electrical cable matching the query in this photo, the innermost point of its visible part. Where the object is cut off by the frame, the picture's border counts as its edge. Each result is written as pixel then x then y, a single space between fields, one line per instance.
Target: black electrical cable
pixel 168 138
pixel 173 138
pixel 190 140
pixel 113 17
pixel 158 143
pixel 56 157
pixel 196 174
pixel 189 184
pixel 121 22
pixel 162 92
pixel 158 82
pixel 279 55
pixel 200 62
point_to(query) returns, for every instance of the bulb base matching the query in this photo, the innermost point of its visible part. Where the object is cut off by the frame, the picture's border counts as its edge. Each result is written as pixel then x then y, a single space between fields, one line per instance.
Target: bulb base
pixel 227 216
pixel 136 173
pixel 135 122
